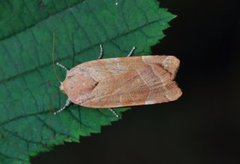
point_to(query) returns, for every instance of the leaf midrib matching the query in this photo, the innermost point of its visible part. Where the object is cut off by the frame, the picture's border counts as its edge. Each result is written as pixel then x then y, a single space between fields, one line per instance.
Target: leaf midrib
pixel 84 50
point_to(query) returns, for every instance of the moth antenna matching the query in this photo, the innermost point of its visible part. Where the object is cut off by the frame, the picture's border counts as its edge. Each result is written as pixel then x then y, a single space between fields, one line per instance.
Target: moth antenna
pixel 114 112
pixel 131 52
pixel 53 57
pixel 74 51
pixel 101 52
pixel 62 66
pixel 64 107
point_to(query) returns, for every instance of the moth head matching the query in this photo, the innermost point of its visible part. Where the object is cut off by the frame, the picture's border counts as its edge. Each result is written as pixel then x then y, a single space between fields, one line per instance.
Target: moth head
pixel 78 83
pixel 62 87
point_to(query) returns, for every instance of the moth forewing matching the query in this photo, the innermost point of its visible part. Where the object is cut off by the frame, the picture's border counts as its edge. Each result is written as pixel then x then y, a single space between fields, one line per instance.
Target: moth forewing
pixel 120 82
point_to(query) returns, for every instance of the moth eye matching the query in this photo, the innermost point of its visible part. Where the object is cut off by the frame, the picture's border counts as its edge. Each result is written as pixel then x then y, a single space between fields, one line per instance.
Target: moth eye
pixel 69 77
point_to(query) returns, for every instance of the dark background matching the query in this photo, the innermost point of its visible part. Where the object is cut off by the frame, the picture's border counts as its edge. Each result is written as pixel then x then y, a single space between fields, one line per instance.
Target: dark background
pixel 203 126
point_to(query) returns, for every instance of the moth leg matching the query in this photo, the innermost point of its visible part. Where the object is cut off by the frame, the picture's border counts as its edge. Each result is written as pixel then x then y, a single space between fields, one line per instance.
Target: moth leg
pixel 114 112
pixel 131 52
pixel 101 52
pixel 62 66
pixel 68 102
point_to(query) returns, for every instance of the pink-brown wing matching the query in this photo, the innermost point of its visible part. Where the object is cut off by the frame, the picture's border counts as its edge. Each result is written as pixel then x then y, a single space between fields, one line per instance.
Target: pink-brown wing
pixel 129 81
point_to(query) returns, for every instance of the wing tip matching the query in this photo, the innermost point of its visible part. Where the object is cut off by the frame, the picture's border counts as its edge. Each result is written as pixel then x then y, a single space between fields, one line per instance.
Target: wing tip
pixel 171 64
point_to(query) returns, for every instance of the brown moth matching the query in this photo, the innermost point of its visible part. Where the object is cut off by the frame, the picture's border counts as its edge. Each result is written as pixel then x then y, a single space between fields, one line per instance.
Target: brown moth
pixel 121 82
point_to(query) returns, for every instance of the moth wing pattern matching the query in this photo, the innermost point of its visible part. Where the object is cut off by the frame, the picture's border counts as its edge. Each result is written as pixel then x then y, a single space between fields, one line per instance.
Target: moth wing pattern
pixel 127 81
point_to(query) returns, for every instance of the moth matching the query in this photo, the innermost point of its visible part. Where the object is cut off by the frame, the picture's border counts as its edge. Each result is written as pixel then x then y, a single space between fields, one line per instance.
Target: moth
pixel 121 82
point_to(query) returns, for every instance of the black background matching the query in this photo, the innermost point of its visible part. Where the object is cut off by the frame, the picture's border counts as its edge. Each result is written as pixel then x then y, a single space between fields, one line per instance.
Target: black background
pixel 203 126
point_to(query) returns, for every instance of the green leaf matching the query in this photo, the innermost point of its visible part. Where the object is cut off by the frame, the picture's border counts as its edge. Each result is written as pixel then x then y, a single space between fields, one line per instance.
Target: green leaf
pixel 28 85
